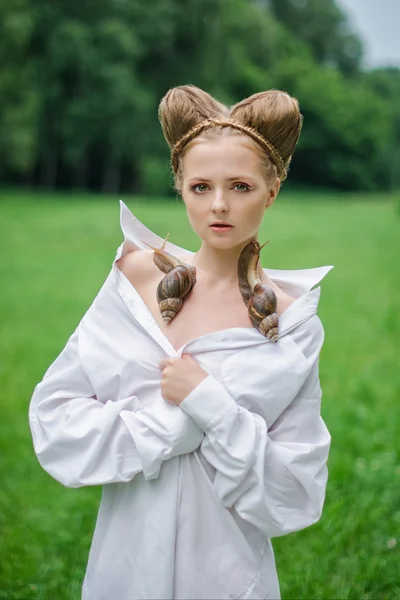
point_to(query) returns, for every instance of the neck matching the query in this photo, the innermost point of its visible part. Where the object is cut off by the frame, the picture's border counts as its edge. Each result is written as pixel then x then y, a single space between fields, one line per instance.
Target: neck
pixel 218 265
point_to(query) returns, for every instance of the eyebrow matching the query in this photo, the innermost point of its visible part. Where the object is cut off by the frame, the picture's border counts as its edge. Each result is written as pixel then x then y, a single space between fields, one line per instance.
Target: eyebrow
pixel 238 178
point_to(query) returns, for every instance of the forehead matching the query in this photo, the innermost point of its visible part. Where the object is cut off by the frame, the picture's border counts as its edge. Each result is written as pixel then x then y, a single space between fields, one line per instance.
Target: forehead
pixel 221 156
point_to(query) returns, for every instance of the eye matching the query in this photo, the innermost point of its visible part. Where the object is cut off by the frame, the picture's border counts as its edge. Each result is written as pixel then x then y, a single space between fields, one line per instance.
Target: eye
pixel 241 187
pixel 199 188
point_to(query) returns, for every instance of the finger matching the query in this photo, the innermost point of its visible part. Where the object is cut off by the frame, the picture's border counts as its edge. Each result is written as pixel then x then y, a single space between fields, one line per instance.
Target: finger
pixel 163 363
pixel 189 359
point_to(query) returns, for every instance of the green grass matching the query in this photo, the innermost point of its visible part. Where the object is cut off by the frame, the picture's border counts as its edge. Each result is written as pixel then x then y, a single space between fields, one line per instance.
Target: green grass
pixel 55 254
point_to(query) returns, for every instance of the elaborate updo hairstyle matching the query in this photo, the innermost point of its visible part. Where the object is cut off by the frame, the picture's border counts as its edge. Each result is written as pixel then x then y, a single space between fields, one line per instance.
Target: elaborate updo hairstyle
pixel 271 119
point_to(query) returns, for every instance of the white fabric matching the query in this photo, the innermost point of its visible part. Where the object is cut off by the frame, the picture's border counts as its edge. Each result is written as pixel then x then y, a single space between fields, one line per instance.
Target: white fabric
pixel 191 494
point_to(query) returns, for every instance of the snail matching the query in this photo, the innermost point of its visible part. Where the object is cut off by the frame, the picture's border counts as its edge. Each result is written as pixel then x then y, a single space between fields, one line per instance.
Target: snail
pixel 261 300
pixel 177 283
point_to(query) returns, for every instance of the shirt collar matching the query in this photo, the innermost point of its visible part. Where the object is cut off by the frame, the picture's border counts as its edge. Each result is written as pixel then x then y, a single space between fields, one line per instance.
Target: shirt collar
pixel 295 282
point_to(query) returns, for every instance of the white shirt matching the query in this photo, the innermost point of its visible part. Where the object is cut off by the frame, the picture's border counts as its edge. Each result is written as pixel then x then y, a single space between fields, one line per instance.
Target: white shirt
pixel 193 493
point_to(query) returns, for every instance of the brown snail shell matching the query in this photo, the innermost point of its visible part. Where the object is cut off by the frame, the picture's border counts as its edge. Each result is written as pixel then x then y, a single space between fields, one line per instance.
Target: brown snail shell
pixel 177 283
pixel 259 298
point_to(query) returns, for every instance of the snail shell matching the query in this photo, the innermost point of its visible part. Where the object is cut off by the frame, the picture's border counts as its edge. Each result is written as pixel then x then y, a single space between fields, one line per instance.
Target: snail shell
pixel 261 300
pixel 177 283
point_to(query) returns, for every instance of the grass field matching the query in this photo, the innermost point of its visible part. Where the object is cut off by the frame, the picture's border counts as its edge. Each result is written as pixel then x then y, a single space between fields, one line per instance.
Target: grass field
pixel 55 254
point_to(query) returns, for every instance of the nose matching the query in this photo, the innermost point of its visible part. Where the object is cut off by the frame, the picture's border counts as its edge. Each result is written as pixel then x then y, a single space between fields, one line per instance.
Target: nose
pixel 218 202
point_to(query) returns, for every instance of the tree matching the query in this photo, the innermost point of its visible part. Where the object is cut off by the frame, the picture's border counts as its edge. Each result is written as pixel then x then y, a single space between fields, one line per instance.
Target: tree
pixel 324 28
pixel 386 83
pixel 19 95
pixel 80 84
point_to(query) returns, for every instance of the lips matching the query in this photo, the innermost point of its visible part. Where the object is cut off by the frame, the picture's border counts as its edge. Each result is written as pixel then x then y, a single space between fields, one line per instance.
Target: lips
pixel 221 225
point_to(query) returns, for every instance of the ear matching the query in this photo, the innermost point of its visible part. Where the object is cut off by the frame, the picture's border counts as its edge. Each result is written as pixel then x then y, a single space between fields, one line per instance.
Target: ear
pixel 273 192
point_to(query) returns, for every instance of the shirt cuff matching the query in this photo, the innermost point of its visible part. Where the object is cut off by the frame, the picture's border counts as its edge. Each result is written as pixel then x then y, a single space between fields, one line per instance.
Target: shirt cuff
pixel 208 403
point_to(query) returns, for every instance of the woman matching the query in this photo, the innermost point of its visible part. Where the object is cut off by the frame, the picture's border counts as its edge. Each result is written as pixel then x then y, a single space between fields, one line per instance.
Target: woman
pixel 190 388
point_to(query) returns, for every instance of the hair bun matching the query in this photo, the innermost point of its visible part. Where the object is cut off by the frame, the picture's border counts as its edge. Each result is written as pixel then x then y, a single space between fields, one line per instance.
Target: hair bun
pixel 272 118
pixel 275 115
pixel 185 106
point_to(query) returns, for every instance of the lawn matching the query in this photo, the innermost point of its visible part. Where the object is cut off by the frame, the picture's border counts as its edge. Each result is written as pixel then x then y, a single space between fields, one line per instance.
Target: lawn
pixel 55 253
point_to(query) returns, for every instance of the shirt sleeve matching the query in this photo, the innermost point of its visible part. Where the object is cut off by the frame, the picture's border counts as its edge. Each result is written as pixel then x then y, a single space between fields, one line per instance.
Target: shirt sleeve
pixel 275 477
pixel 80 441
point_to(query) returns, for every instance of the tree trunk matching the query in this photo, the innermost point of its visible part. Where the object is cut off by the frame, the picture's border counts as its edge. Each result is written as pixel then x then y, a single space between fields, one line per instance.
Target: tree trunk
pixel 112 173
pixel 80 175
pixel 49 167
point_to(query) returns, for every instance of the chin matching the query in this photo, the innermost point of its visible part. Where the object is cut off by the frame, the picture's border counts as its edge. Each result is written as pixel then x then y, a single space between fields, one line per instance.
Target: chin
pixel 224 242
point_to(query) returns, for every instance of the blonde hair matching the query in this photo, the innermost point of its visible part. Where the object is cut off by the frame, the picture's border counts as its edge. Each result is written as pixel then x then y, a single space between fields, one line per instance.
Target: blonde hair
pixel 272 119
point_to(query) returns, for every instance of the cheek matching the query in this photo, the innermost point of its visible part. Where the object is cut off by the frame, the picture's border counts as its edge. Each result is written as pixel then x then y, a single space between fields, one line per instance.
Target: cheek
pixel 194 214
pixel 253 212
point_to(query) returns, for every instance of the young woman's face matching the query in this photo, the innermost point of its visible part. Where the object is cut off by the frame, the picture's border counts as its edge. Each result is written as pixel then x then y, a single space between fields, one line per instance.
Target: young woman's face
pixel 223 181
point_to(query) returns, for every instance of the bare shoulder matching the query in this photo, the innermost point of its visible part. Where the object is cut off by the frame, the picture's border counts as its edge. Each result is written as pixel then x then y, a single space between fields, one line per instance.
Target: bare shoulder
pixel 284 299
pixel 137 266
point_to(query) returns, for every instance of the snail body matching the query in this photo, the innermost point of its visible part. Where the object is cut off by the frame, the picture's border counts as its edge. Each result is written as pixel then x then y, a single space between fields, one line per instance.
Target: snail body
pixel 177 283
pixel 261 300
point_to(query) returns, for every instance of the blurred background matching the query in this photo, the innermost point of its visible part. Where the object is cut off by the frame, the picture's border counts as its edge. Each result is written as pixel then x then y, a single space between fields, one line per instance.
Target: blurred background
pixel 80 84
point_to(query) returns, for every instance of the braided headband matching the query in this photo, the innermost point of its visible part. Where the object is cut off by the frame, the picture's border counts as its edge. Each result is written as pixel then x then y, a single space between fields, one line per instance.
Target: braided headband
pixel 270 149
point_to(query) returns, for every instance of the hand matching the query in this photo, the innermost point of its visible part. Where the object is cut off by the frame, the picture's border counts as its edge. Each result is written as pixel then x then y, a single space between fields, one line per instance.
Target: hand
pixel 179 377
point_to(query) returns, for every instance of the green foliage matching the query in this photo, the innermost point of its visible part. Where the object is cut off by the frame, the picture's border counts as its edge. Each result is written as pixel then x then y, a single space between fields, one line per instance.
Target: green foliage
pixel 156 176
pixel 324 29
pixel 56 253
pixel 347 129
pixel 80 83
pixel 386 83
pixel 19 95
